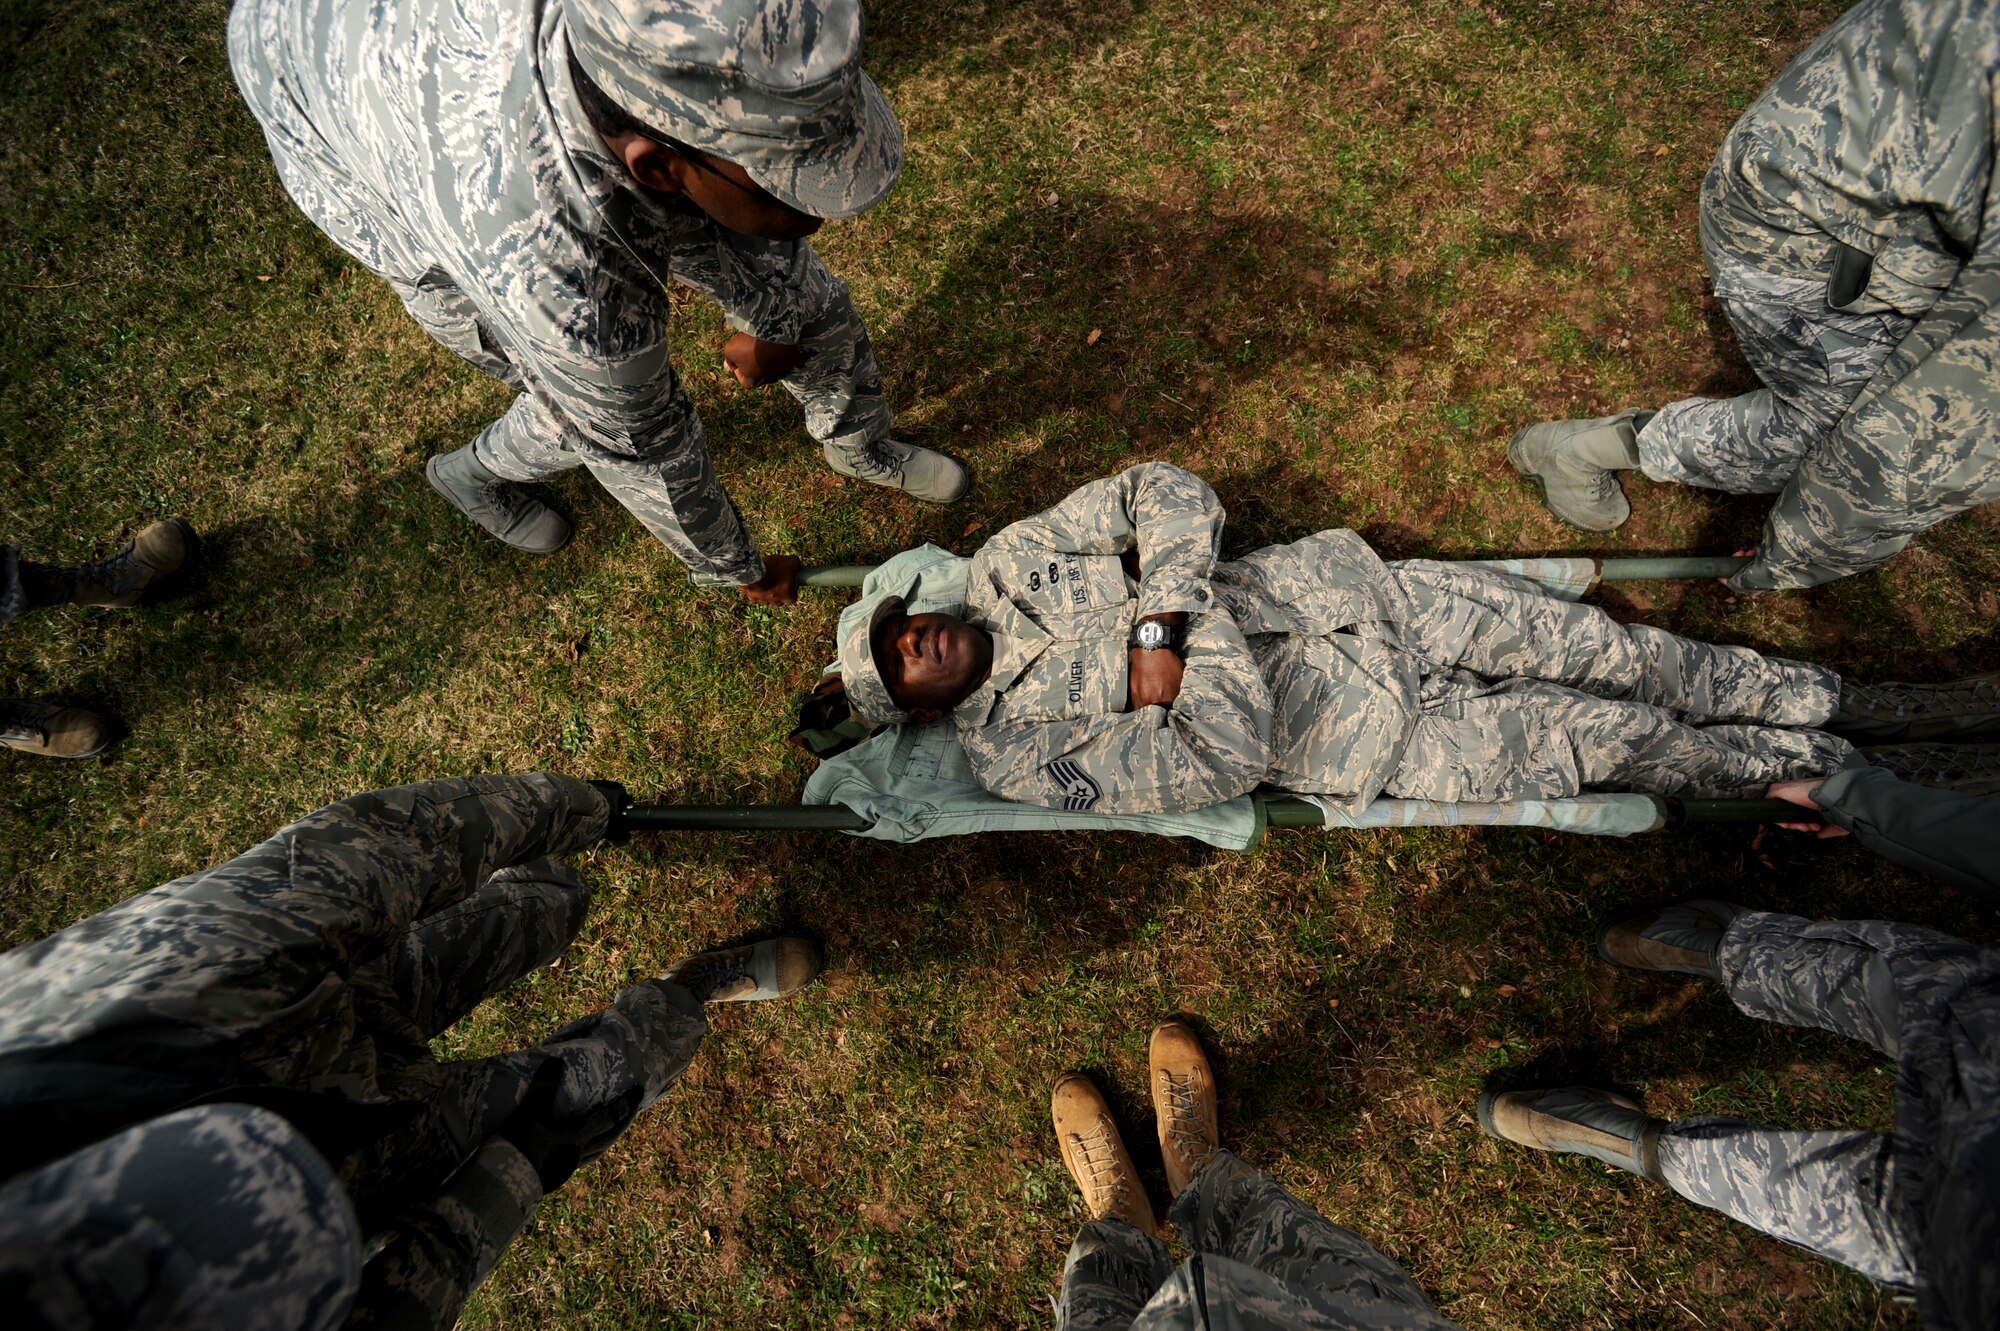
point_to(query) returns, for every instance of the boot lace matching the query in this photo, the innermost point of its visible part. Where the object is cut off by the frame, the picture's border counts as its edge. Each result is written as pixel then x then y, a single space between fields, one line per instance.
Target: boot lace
pixel 502 498
pixel 1184 1128
pixel 877 461
pixel 706 975
pixel 1602 485
pixel 1107 1184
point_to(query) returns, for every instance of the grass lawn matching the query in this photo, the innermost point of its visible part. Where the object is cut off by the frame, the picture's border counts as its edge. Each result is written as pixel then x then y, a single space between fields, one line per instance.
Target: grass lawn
pixel 1329 255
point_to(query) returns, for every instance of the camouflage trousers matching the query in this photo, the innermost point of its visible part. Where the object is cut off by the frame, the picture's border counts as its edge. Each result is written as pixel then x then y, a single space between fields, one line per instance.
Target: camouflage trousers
pixel 1528 696
pixel 677 497
pixel 1813 361
pixel 1264 1261
pixel 1846 1194
pixel 577 1091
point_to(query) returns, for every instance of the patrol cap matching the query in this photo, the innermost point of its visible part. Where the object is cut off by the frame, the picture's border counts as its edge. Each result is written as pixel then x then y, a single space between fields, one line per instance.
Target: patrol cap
pixel 866 693
pixel 774 86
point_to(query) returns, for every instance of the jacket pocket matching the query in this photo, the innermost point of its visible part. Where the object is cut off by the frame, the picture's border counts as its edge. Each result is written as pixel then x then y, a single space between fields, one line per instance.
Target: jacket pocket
pixel 1849 283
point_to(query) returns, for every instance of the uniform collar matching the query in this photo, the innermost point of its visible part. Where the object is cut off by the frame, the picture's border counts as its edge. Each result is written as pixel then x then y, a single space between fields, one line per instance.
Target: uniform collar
pixel 1018 642
pixel 598 178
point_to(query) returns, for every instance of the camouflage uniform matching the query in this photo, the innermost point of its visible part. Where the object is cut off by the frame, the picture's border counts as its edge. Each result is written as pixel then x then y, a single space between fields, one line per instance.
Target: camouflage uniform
pixel 1264 1261
pixel 441 143
pixel 1848 227
pixel 1316 668
pixel 1919 1207
pixel 309 976
pixel 14 597
pixel 1950 835
pixel 221 1216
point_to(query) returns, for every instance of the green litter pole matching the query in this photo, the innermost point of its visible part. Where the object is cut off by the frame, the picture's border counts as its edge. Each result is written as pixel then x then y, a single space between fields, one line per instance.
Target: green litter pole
pixel 1279 811
pixel 744 818
pixel 1689 811
pixel 1665 569
pixel 835 575
pixel 1670 568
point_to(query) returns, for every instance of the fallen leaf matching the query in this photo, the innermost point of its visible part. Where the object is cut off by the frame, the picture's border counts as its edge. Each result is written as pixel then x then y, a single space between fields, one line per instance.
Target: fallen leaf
pixel 1508 991
pixel 1333 1002
pixel 1492 1044
pixel 972 527
pixel 1662 150
pixel 1095 333
pixel 263 277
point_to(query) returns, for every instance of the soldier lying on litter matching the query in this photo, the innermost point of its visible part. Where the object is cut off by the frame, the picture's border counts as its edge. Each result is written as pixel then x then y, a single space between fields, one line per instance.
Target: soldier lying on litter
pixel 1107 658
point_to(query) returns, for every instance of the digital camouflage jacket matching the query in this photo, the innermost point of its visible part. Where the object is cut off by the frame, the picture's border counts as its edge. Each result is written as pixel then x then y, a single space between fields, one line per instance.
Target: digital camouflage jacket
pixel 1050 726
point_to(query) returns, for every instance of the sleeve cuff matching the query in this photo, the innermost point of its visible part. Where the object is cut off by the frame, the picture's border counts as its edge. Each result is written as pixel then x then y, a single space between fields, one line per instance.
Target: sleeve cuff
pixel 741 576
pixel 1175 596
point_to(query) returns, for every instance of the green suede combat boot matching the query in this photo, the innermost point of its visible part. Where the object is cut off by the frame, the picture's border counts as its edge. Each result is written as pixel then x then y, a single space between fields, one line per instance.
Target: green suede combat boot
pixel 502 507
pixel 920 473
pixel 1576 464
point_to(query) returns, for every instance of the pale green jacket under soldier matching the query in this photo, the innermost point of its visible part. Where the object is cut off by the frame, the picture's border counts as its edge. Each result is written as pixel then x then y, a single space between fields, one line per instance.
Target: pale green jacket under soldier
pixel 1317 668
pixel 443 145
pixel 1867 169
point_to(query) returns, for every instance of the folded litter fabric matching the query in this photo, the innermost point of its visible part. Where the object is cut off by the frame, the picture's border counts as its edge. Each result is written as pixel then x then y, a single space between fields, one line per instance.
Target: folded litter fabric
pixel 914 782
pixel 1587 815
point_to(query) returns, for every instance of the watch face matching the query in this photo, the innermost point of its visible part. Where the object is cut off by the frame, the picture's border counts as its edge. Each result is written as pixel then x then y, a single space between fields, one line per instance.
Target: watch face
pixel 1153 634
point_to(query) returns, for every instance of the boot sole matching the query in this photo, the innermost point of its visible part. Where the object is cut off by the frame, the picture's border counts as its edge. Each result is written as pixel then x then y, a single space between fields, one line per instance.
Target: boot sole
pixel 430 474
pixel 1514 459
pixel 1484 1113
pixel 961 493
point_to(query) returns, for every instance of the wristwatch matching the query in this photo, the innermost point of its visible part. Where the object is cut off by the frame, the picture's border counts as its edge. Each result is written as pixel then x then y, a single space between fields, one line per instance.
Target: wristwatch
pixel 1154 634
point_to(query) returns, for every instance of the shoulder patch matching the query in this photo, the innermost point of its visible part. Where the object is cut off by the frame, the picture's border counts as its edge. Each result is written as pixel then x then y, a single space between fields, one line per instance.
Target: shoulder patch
pixel 1079 790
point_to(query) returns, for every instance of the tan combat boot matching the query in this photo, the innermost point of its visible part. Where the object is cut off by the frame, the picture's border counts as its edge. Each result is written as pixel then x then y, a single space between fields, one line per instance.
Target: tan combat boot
pixel 148 560
pixel 774 968
pixel 1096 1155
pixel 1682 938
pixel 49 731
pixel 1184 1103
pixel 1576 1120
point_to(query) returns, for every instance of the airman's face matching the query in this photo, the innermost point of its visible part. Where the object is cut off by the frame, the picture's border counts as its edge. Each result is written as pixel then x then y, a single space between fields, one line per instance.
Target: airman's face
pixel 930 663
pixel 721 189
